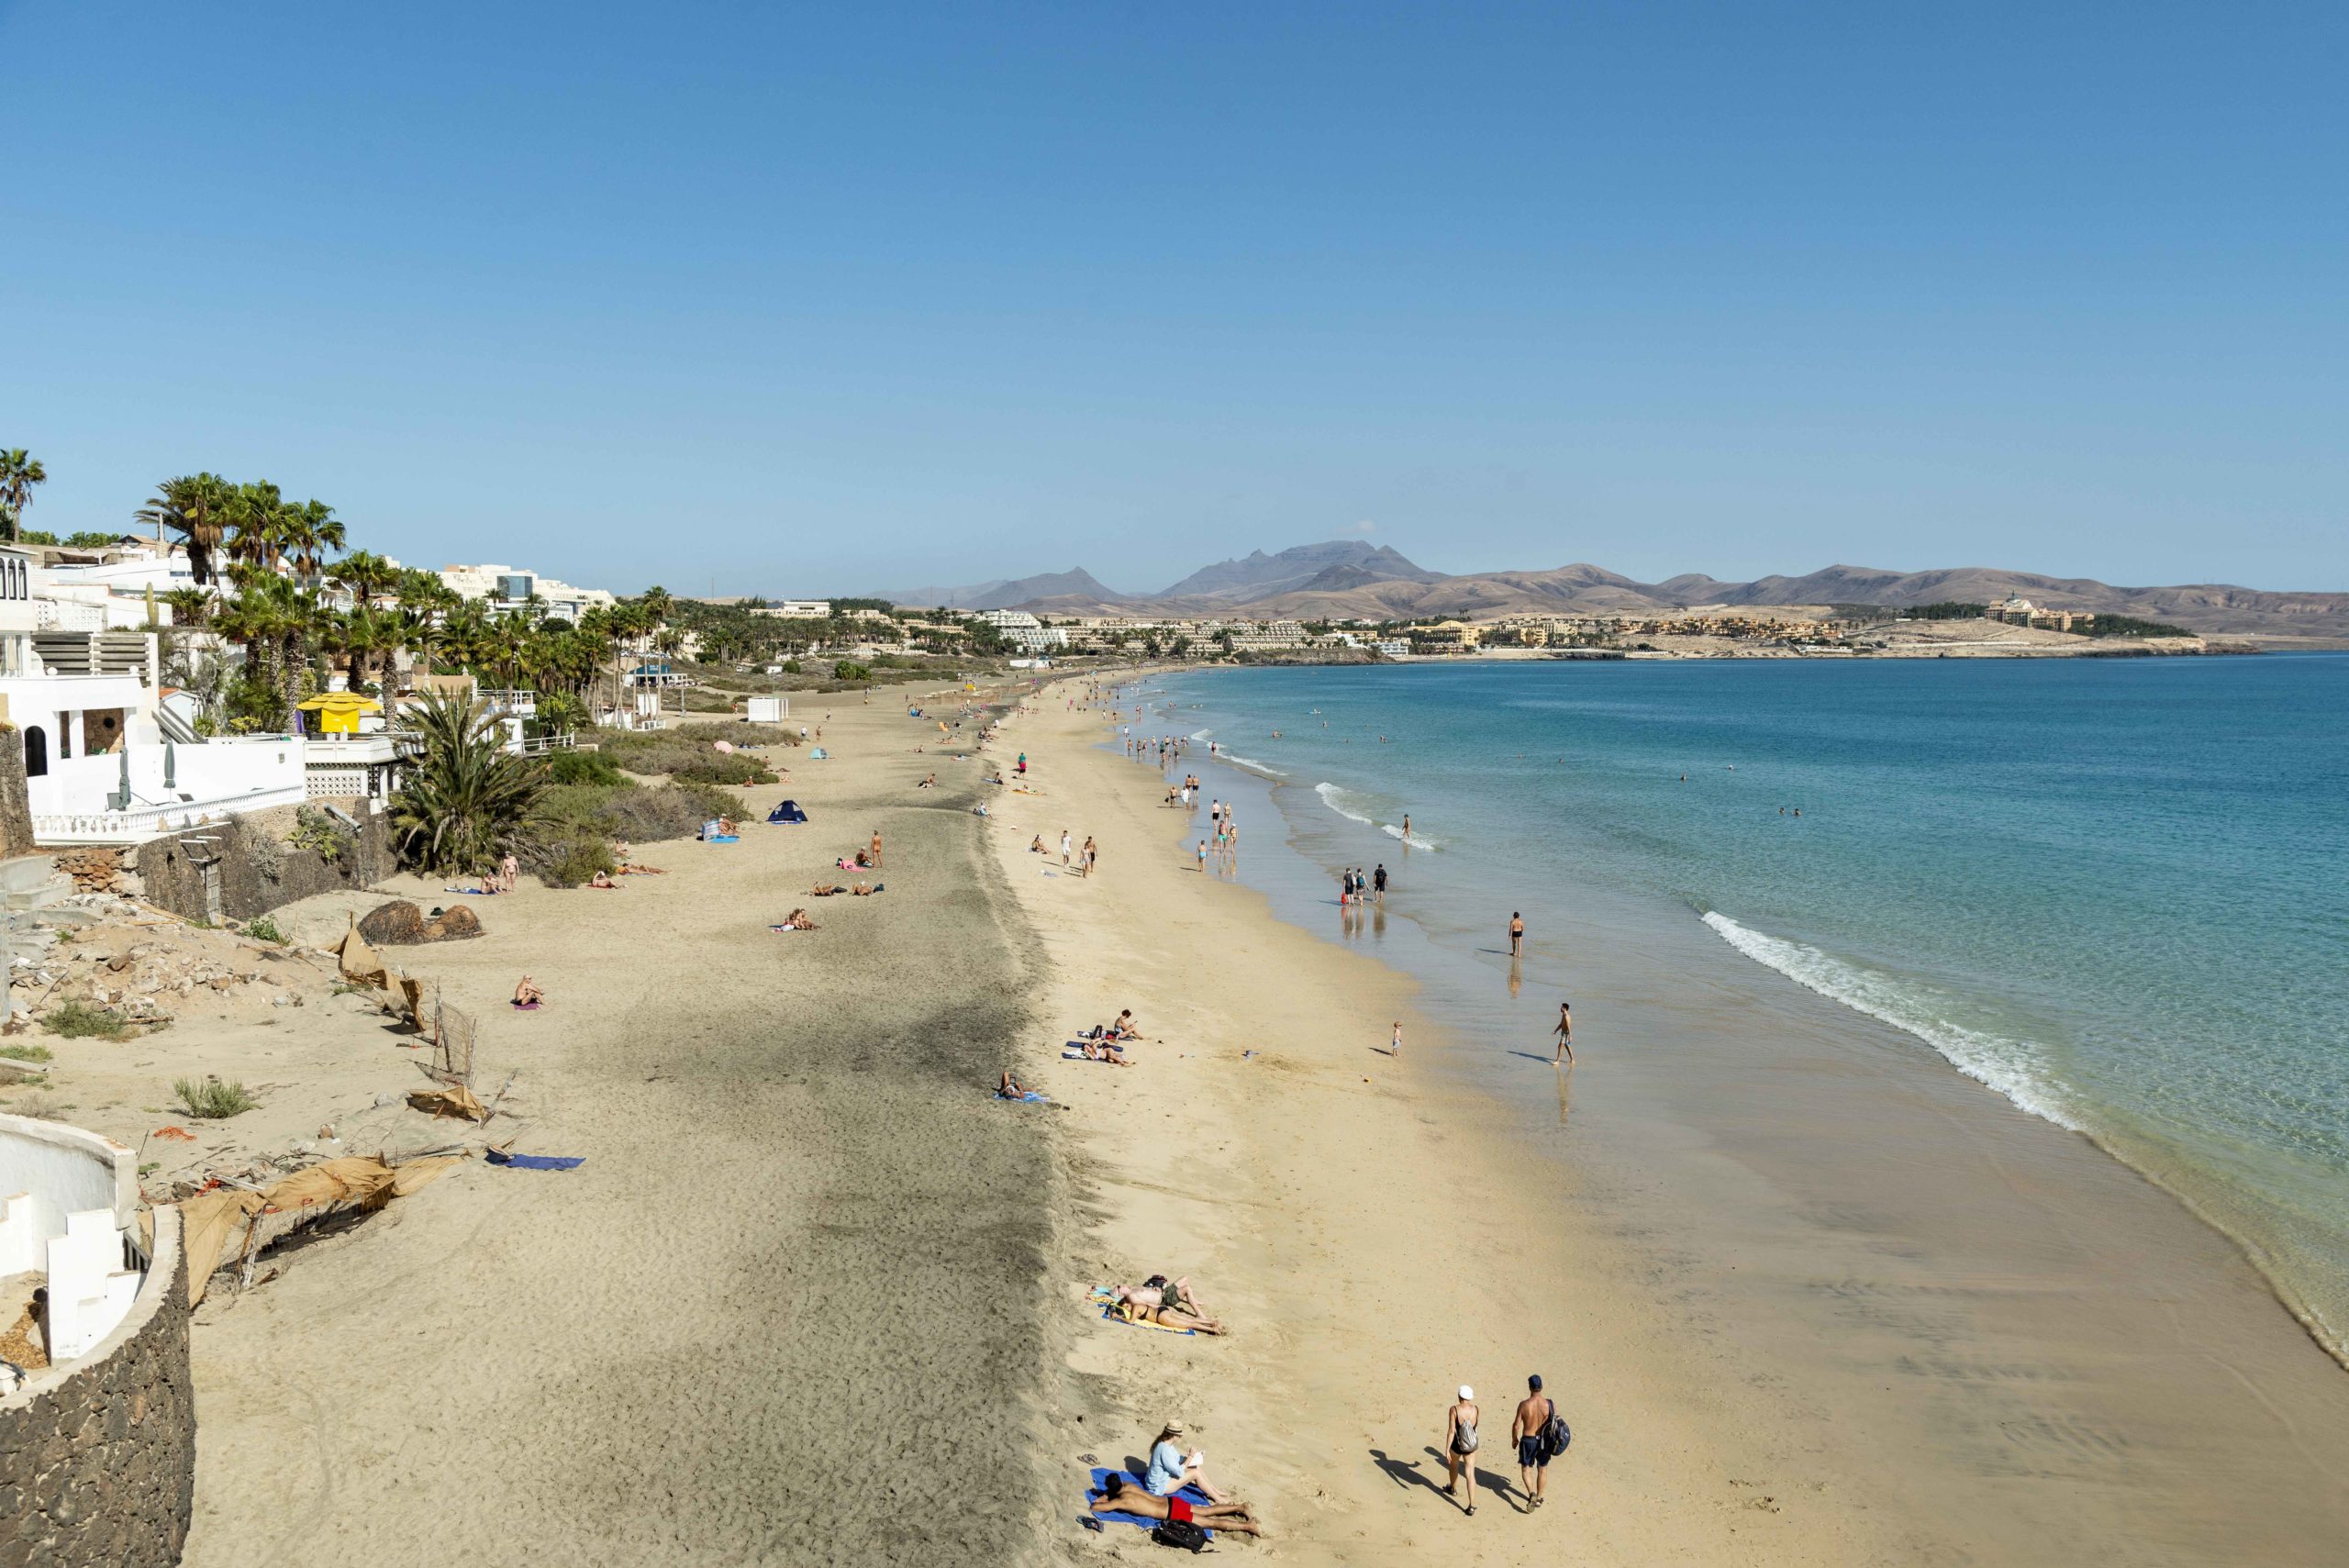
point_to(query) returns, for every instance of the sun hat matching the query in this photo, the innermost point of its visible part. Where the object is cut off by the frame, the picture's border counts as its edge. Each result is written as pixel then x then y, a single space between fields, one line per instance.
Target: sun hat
pixel 1466 1392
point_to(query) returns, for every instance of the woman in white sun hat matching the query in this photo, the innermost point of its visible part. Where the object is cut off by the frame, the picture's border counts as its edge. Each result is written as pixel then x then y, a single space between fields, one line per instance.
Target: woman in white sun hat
pixel 1459 1445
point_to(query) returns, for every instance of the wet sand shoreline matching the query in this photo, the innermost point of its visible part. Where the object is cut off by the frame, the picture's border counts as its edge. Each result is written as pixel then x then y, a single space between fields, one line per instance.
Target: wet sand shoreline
pixel 1823 1300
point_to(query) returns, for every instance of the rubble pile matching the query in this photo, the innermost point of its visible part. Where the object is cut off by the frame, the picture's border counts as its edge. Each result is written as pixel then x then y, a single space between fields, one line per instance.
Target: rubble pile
pixel 93 868
pixel 146 966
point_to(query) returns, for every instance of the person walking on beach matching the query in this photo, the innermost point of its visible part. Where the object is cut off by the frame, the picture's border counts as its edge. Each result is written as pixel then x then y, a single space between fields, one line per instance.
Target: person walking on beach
pixel 1459 1445
pixel 1566 1033
pixel 875 851
pixel 1517 933
pixel 1091 854
pixel 1066 849
pixel 1394 1045
pixel 1203 857
pixel 1531 1430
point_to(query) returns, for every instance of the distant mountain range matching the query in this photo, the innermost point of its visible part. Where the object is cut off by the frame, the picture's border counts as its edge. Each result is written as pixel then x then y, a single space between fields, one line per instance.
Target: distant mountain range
pixel 1346 579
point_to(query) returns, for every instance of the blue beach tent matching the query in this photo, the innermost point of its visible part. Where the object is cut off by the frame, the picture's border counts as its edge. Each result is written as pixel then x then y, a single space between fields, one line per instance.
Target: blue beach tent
pixel 787 812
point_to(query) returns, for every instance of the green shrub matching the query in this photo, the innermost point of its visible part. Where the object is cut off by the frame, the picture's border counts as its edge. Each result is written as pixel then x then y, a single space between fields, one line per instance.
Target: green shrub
pixel 264 929
pixel 848 670
pixel 579 861
pixel 78 1020
pixel 585 768
pixel 463 800
pixel 212 1100
pixel 25 1053
pixel 718 768
pixel 321 834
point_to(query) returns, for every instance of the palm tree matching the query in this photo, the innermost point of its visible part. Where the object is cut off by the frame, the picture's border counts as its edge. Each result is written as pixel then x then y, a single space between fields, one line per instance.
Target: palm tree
pixel 196 507
pixel 20 472
pixel 308 532
pixel 366 576
pixel 463 800
pixel 192 606
pixel 258 512
pixel 361 633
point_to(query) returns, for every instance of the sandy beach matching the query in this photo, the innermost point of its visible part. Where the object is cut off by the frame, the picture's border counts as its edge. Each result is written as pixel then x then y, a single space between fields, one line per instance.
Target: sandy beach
pixel 815 1297
pixel 1832 1303
pixel 797 1282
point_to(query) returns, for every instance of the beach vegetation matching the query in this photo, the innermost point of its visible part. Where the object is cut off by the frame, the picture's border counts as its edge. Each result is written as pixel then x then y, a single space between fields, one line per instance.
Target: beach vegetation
pixel 584 768
pixel 209 1099
pixel 463 801
pixel 25 1053
pixel 263 929
pixel 849 670
pixel 77 1019
pixel 319 832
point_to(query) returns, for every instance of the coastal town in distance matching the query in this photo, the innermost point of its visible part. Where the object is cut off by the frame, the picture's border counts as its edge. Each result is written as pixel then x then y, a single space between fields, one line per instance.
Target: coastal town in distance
pixel 1061 787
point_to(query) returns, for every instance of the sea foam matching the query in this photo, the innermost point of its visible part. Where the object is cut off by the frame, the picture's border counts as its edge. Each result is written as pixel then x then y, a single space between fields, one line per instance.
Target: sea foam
pixel 1344 802
pixel 2010 1066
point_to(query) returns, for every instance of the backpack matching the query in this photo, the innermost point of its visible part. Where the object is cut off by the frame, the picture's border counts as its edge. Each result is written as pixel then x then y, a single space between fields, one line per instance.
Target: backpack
pixel 1555 1434
pixel 1183 1534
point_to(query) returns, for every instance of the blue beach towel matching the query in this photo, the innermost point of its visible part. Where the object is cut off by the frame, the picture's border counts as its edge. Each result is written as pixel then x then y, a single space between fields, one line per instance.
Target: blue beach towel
pixel 1190 1494
pixel 538 1162
pixel 1031 1097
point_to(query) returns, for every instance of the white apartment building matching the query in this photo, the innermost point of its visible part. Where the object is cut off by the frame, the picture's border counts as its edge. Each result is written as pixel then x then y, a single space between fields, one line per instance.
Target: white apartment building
pixel 506 589
pixel 80 677
pixel 1007 620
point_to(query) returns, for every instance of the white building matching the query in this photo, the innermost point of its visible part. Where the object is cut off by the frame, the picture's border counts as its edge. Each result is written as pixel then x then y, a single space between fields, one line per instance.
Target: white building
pixel 505 590
pixel 798 609
pixel 1007 620
pixel 69 1202
pixel 80 678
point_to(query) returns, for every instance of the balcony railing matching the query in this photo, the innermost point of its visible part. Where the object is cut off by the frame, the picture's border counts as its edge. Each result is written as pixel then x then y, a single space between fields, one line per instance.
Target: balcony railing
pixel 144 822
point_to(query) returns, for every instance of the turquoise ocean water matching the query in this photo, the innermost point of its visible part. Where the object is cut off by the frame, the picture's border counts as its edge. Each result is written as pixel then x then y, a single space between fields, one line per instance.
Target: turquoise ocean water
pixel 2114 891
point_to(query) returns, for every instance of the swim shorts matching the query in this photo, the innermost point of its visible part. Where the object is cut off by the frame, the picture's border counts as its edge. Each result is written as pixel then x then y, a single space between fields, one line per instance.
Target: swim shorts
pixel 1178 1508
pixel 1529 1453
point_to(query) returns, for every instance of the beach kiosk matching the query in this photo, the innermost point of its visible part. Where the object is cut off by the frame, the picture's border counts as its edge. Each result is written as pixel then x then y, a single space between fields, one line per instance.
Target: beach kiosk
pixel 339 713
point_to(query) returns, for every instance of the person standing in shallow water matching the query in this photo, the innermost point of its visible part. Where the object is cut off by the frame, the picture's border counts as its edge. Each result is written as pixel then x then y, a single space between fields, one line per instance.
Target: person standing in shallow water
pixel 1566 1033
pixel 1517 933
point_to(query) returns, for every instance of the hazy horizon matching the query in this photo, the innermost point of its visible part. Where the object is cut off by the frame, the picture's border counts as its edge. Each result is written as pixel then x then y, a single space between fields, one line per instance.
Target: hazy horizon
pixel 812 302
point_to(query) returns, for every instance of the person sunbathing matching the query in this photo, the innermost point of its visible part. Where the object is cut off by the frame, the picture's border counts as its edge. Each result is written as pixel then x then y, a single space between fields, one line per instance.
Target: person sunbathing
pixel 1103 1051
pixel 1175 1292
pixel 1123 1497
pixel 1152 1304
pixel 930 783
pixel 1010 1088
pixel 726 825
pixel 1036 845
pixel 1123 1028
pixel 863 890
pixel 825 889
pixel 602 879
pixel 799 920
pixel 527 993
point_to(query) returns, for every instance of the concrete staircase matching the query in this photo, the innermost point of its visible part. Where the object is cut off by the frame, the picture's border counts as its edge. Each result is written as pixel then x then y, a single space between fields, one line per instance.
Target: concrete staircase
pixel 29 882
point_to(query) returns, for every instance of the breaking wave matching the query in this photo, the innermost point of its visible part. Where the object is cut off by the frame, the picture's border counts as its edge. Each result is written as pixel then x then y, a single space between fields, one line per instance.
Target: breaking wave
pixel 2010 1066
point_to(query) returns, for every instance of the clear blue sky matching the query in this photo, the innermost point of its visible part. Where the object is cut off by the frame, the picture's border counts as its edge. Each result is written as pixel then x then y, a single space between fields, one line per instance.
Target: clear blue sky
pixel 822 298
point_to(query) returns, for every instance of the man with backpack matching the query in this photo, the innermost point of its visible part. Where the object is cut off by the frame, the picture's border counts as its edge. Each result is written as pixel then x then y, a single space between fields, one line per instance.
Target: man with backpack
pixel 1541 1436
